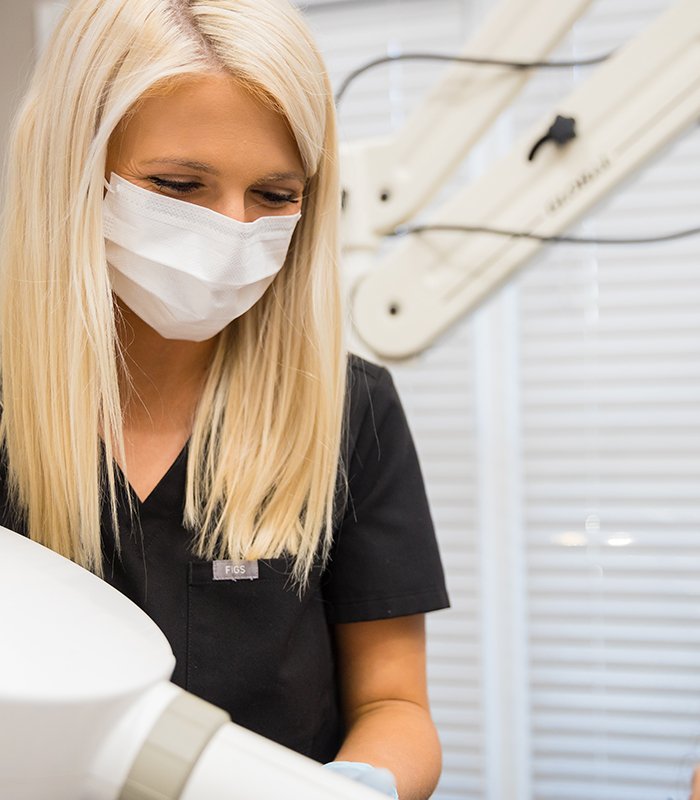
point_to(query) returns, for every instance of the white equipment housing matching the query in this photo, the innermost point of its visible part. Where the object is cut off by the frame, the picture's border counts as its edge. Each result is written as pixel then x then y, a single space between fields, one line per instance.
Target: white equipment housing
pixel 87 711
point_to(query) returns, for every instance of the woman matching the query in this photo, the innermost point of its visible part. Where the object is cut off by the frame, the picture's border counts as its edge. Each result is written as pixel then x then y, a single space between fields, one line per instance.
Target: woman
pixel 179 413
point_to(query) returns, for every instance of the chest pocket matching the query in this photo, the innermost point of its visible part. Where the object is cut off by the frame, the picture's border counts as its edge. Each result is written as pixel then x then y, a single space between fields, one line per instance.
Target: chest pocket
pixel 262 651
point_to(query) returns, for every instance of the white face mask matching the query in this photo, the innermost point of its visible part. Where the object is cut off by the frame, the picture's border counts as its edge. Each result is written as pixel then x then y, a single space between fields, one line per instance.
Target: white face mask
pixel 184 269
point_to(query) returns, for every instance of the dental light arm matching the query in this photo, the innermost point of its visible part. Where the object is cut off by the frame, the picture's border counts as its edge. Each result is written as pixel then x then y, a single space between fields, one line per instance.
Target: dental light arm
pixel 87 711
pixel 387 181
pixel 632 106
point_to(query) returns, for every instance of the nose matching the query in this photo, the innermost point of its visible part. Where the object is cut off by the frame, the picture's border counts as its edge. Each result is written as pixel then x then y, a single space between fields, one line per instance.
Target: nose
pixel 233 205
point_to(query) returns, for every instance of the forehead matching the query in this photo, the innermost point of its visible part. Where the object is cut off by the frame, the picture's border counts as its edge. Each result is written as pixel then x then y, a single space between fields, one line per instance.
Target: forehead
pixel 212 119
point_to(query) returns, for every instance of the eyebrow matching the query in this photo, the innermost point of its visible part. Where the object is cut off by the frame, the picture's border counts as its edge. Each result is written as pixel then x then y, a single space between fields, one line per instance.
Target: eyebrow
pixel 200 166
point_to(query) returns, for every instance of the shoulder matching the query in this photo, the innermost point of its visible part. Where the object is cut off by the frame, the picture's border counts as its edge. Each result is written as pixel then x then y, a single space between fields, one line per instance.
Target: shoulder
pixel 363 370
pixel 370 397
pixel 384 560
pixel 375 420
pixel 368 385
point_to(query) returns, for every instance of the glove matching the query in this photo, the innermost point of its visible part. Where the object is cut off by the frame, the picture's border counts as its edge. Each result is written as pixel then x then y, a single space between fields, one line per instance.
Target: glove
pixel 375 777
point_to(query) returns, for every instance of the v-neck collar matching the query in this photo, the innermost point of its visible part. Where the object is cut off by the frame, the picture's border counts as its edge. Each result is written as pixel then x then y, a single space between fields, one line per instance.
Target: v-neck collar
pixel 167 495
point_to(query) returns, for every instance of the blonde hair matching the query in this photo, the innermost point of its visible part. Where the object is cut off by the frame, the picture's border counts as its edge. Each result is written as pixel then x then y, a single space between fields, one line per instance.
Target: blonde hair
pixel 264 450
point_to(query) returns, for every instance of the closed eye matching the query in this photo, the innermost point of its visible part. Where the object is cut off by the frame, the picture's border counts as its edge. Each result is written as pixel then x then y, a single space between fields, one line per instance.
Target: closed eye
pixel 181 187
pixel 276 198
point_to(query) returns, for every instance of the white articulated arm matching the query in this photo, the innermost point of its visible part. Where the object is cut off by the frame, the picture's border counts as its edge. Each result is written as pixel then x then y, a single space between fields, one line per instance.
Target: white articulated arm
pixel 386 181
pixel 631 107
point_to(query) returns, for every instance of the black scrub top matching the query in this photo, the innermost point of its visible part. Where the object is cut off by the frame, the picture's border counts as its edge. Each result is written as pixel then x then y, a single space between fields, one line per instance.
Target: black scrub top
pixel 255 647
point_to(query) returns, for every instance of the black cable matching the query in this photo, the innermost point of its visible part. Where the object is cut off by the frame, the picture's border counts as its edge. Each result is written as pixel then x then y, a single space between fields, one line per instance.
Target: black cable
pixel 665 237
pixel 482 62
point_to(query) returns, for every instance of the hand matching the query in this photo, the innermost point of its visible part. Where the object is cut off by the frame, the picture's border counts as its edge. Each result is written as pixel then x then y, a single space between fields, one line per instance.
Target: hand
pixel 375 777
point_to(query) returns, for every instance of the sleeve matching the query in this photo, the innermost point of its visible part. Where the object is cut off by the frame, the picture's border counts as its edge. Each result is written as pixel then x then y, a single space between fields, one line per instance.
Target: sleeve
pixel 384 560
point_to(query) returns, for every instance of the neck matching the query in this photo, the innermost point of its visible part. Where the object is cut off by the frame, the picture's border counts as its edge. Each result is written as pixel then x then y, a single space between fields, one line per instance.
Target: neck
pixel 166 376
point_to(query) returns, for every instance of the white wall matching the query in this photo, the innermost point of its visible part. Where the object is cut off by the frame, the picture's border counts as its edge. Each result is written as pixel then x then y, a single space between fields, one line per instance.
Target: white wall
pixel 16 58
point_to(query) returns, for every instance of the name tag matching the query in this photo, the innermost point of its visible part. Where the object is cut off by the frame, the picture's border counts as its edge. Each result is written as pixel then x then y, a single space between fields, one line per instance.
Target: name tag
pixel 235 570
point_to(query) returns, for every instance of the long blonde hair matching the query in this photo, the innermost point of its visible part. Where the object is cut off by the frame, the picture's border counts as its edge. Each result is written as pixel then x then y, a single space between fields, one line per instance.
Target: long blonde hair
pixel 264 450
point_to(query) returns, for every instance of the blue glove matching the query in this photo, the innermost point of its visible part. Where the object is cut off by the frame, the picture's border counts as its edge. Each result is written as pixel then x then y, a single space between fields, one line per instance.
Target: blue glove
pixel 375 777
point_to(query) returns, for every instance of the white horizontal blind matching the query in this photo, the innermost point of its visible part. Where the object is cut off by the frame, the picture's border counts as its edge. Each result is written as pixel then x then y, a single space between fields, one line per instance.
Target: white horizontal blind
pixel 610 409
pixel 437 388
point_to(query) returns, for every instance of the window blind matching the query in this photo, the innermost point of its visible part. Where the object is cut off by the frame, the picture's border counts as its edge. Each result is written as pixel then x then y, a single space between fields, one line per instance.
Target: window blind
pixel 609 388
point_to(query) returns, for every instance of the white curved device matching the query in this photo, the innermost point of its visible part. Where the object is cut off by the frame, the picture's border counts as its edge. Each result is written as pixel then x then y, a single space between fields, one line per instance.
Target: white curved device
pixel 631 107
pixel 87 711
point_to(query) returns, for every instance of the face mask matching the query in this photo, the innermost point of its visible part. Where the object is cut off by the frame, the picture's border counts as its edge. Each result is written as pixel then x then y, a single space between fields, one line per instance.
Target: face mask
pixel 186 270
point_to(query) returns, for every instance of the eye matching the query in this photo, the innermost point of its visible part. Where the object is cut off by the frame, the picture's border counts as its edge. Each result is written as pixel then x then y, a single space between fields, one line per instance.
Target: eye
pixel 276 199
pixel 179 187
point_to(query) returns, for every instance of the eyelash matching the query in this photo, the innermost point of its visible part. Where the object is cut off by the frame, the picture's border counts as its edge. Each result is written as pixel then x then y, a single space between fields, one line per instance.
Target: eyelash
pixel 275 198
pixel 183 188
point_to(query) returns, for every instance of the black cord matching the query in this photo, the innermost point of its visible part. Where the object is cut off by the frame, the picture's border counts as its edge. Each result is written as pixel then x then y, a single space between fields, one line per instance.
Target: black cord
pixel 482 62
pixel 665 237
